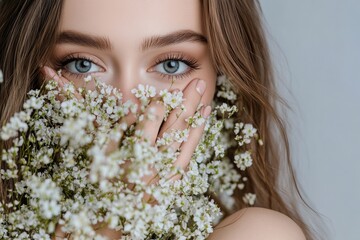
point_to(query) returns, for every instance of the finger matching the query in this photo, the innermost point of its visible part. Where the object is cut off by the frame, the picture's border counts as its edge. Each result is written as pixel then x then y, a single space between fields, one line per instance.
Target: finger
pixel 113 143
pixel 153 118
pixel 49 74
pixel 62 81
pixel 176 120
pixel 188 148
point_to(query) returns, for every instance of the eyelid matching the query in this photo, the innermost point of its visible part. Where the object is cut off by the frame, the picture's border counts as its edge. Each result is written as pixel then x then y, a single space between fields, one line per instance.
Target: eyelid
pixel 175 55
pixel 60 62
pixel 179 56
pixel 191 62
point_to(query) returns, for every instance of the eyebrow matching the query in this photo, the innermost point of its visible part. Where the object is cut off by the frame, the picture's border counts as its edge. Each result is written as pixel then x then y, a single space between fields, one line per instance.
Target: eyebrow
pixel 103 43
pixel 173 38
pixel 82 39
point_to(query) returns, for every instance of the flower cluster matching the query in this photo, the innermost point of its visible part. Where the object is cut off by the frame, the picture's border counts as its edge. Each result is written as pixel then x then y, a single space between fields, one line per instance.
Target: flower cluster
pixel 75 163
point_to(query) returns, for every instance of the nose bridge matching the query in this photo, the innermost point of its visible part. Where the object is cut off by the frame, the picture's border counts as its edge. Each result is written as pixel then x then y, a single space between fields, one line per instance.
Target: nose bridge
pixel 127 77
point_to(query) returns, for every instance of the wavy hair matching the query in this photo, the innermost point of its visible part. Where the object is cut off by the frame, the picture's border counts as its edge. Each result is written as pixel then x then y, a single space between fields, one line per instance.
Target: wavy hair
pixel 237 44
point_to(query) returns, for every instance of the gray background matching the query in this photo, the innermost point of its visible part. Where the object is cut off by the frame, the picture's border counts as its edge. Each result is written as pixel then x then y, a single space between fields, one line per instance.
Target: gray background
pixel 315 45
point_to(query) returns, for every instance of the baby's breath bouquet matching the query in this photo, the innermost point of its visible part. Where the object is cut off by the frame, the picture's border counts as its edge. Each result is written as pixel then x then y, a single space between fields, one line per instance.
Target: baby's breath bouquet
pixel 75 164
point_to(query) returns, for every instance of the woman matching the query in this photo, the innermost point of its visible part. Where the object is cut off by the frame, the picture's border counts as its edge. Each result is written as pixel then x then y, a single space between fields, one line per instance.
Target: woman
pixel 155 42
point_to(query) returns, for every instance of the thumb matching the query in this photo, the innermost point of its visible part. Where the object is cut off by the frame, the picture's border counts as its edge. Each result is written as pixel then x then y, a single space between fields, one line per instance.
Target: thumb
pixel 49 73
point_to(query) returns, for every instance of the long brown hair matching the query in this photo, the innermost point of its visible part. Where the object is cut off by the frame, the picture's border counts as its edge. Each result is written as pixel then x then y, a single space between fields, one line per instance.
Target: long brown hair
pixel 238 46
pixel 27 31
pixel 236 28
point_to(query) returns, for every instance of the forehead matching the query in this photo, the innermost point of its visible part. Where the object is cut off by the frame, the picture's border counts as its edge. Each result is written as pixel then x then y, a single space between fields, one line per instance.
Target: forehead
pixel 130 19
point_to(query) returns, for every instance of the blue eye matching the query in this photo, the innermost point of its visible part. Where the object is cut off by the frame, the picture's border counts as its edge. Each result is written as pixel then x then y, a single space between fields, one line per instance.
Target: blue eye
pixel 81 66
pixel 78 66
pixel 173 67
pixel 175 64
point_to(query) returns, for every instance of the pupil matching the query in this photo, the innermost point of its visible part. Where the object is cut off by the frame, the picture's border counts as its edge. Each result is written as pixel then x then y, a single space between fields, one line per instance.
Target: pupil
pixel 171 66
pixel 83 66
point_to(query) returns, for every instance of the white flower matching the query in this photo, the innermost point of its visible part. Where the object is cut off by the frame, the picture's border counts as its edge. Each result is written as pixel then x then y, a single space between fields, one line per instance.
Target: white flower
pixel 225 108
pixel 41 235
pixel 34 103
pixel 249 198
pixel 243 160
pixel 70 176
pixel 69 88
pixel 166 139
pixel 80 223
pixel 88 78
pixel 45 195
pixel 172 100
pixel 196 120
pixel 230 95
pixel 219 150
pixel 225 90
pixel 18 123
pixel 181 135
pixel 238 127
pixel 249 130
pixel 50 209
pixel 59 72
pixel 70 107
pixel 51 86
pixel 74 131
pixel 144 92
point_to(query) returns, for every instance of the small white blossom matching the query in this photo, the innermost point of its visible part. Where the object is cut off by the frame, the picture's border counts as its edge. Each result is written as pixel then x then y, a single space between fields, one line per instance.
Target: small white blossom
pixel 88 78
pixel 249 198
pixel 81 164
pixel 249 130
pixel 181 135
pixel 144 92
pixel 196 120
pixel 69 88
pixel 59 72
pixel 41 235
pixel 173 100
pixel 243 160
pixel 18 123
pixel 238 127
pixel 225 90
pixel 34 103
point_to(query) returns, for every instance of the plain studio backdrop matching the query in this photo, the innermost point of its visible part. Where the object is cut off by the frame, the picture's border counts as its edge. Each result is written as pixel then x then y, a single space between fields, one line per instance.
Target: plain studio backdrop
pixel 315 45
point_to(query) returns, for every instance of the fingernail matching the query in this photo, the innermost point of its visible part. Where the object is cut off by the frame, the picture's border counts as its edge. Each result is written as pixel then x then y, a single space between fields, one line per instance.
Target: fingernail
pixel 206 112
pixel 176 90
pixel 50 72
pixel 200 86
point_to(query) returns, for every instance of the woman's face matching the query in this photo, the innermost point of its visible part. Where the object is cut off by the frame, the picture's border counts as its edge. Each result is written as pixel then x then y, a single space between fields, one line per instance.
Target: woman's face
pixel 129 42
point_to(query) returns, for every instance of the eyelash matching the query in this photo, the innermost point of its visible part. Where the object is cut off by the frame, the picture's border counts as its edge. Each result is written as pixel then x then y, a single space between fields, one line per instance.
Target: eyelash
pixel 191 62
pixel 61 63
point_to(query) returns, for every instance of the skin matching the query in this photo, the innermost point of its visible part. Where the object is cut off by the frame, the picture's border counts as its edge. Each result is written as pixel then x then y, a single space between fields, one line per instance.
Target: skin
pixel 126 24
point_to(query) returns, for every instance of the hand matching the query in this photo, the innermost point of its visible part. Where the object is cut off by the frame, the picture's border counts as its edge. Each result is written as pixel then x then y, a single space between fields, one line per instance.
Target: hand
pixel 193 95
pixel 49 73
pixel 100 228
pixel 153 129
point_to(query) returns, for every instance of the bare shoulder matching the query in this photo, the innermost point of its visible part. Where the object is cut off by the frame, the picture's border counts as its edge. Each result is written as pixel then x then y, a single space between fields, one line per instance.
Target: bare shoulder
pixel 257 224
